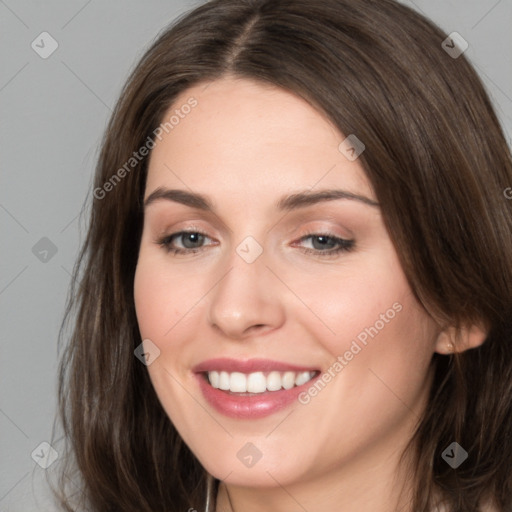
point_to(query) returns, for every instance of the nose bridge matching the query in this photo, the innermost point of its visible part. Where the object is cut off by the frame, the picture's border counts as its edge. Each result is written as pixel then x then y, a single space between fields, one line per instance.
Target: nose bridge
pixel 244 297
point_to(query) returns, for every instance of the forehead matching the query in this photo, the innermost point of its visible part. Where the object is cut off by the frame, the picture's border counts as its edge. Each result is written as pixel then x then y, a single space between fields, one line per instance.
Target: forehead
pixel 241 134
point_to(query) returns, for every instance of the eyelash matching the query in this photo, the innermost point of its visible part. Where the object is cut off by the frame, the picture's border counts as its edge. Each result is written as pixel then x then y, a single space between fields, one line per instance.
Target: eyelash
pixel 166 241
pixel 344 245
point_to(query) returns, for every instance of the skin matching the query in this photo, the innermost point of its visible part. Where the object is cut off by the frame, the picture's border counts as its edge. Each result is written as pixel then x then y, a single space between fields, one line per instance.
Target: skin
pixel 246 145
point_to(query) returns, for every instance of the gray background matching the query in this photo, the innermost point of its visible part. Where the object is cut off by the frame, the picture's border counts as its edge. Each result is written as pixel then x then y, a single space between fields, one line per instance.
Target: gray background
pixel 53 114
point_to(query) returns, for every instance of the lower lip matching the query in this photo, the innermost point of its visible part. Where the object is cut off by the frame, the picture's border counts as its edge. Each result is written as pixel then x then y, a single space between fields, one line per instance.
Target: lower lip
pixel 251 407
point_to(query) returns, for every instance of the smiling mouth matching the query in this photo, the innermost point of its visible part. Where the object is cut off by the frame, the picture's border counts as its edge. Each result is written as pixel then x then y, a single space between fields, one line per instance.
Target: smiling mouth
pixel 248 384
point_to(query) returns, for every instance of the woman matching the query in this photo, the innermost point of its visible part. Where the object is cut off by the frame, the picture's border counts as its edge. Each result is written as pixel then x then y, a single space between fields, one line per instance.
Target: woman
pixel 296 285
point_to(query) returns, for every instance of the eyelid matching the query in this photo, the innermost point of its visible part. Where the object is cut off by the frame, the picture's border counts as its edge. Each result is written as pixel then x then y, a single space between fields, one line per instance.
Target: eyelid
pixel 331 229
pixel 343 243
pixel 177 234
pixel 165 239
pixel 323 232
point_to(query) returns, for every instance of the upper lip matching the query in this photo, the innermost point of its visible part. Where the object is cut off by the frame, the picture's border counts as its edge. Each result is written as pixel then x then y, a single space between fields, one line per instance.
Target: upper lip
pixel 248 366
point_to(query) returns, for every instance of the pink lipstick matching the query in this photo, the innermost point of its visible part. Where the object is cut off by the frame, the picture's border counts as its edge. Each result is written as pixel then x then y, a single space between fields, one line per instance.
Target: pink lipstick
pixel 252 388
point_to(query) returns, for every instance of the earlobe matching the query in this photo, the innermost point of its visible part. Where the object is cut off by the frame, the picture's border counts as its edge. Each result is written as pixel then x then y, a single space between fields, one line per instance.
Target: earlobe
pixel 453 340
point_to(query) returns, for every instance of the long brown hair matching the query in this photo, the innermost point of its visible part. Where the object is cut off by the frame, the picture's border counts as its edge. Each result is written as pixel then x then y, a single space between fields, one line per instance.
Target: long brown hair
pixel 439 164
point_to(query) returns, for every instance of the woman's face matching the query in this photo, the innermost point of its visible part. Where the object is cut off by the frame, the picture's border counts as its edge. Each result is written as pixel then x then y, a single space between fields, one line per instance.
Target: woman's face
pixel 287 273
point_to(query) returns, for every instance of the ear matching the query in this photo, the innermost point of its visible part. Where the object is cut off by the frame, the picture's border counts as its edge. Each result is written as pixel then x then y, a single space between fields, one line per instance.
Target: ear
pixel 453 340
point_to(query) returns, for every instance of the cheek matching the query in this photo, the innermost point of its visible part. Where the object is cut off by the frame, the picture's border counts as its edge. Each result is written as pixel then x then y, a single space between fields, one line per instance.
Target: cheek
pixel 370 322
pixel 358 301
pixel 162 298
pixel 378 375
pixel 148 291
pixel 159 309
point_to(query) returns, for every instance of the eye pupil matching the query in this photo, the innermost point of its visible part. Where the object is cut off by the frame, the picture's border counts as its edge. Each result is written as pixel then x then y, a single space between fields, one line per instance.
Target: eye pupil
pixel 195 240
pixel 323 242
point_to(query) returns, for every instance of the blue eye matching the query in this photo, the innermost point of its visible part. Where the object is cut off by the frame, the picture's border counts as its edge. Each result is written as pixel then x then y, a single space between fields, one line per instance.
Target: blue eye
pixel 191 242
pixel 326 244
pixel 321 244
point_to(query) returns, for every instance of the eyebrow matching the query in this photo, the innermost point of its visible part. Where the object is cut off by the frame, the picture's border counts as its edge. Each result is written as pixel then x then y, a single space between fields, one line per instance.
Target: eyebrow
pixel 191 199
pixel 307 198
pixel 287 203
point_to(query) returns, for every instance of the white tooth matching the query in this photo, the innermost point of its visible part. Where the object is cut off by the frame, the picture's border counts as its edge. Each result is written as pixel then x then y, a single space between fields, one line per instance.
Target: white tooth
pixel 288 380
pixel 274 381
pixel 238 382
pixel 224 381
pixel 214 379
pixel 256 382
pixel 302 378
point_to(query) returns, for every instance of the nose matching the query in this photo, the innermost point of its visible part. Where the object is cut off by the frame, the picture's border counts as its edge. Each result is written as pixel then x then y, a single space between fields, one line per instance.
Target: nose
pixel 247 300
